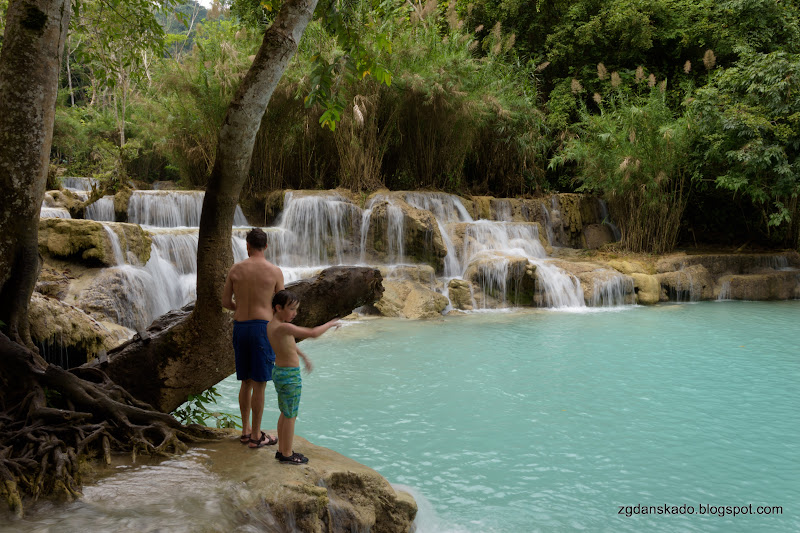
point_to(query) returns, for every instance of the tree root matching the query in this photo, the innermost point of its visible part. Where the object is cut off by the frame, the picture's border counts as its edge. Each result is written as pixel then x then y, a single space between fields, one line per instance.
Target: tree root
pixel 52 420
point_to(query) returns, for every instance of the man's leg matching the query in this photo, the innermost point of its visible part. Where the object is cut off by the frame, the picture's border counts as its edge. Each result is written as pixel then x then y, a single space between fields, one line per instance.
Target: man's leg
pixel 245 392
pixel 257 405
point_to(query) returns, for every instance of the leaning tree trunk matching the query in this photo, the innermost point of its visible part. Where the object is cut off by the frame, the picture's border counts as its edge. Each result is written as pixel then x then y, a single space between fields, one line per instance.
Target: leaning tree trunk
pixel 152 366
pixel 30 63
pixel 236 138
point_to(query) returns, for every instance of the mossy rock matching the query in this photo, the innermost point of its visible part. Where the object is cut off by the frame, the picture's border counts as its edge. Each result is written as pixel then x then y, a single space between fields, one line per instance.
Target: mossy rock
pixel 86 241
pixel 121 200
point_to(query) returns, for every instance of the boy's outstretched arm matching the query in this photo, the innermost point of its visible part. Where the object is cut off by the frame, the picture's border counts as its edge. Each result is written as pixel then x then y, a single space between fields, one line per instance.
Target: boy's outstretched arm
pixel 301 333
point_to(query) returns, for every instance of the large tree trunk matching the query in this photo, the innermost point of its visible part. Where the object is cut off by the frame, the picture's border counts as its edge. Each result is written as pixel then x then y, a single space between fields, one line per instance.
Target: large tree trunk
pixel 235 146
pixel 30 62
pixel 154 368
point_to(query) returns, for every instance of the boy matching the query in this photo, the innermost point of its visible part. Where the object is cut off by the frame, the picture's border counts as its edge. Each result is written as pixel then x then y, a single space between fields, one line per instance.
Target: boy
pixel 286 373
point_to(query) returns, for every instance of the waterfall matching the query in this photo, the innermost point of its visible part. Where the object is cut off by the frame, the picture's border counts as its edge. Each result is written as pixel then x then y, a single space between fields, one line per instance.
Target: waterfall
pixel 493 278
pixel 503 210
pixel 612 292
pixel 725 290
pixel 553 224
pixel 313 230
pixel 53 212
pixel 511 238
pixel 171 209
pixel 102 209
pixel 685 292
pixel 116 248
pixel 607 220
pixel 446 209
pixel 561 290
pixel 395 248
pixel 78 184
pixel 366 215
pixel 778 262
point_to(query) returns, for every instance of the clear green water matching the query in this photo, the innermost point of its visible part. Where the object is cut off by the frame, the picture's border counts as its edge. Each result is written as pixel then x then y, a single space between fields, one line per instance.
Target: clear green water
pixel 549 421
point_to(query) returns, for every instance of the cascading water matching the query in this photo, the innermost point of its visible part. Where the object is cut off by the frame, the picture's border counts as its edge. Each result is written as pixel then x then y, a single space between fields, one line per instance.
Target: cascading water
pixel 171 209
pixel 395 249
pixel 101 210
pixel 446 209
pixel 725 290
pixel 78 184
pixel 503 210
pixel 606 219
pixel 612 292
pixel 53 212
pixel 313 230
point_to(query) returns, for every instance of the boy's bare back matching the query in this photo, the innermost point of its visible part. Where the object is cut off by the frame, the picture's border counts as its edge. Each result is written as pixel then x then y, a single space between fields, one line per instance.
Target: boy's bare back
pixel 252 283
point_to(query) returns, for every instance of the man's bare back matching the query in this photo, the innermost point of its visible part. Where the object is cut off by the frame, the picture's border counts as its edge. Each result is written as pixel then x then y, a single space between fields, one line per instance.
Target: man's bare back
pixel 249 288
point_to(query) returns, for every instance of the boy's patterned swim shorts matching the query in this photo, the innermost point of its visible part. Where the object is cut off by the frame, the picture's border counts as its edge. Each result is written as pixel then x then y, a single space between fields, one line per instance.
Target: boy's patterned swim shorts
pixel 288 385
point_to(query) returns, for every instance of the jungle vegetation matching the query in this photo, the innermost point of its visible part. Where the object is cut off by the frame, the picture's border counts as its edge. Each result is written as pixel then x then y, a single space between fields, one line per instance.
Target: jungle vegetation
pixel 684 115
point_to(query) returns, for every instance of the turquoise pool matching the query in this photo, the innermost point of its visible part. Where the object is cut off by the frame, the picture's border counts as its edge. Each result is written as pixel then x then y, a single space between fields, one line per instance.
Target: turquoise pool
pixel 552 421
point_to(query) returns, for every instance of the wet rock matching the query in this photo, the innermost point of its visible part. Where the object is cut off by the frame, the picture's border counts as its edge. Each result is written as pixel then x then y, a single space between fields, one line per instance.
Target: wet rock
pixel 409 299
pixel 423 274
pixel 331 494
pixel 629 267
pixel 692 283
pixel 720 264
pixel 460 292
pixel 596 235
pixel 121 200
pixel 65 332
pixel 599 282
pixel 422 240
pixel 501 280
pixel 768 286
pixel 53 283
pixel 647 288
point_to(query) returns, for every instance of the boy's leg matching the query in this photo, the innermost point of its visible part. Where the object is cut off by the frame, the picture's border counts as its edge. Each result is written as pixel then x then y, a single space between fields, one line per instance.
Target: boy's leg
pixel 285 439
pixel 245 393
pixel 257 405
pixel 281 434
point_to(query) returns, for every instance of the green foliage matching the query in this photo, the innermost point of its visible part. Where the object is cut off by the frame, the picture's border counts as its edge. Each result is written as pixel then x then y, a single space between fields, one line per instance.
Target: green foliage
pixel 198 410
pixel 194 94
pixel 749 134
pixel 634 153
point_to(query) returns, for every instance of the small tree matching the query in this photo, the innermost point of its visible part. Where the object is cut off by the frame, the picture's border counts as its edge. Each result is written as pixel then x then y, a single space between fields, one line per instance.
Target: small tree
pixel 749 137
pixel 634 153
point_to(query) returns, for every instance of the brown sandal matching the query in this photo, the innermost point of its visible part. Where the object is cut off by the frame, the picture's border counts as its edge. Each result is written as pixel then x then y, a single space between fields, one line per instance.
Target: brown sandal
pixel 265 440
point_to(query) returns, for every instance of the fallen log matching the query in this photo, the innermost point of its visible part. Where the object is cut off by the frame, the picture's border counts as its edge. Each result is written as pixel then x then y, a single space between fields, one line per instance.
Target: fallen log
pixel 181 354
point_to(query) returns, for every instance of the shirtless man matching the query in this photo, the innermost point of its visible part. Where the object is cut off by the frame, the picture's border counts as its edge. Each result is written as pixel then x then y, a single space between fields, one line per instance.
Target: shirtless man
pixel 248 292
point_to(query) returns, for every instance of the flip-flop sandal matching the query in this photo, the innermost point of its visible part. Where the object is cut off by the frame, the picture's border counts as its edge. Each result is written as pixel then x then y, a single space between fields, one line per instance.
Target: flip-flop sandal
pixel 244 439
pixel 294 459
pixel 265 440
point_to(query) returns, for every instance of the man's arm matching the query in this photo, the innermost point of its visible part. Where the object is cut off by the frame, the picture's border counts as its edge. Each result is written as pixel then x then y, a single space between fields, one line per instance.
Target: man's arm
pixel 227 294
pixel 279 280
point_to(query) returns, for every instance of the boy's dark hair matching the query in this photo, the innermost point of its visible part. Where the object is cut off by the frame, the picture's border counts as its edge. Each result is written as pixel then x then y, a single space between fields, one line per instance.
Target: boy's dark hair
pixel 284 298
pixel 256 238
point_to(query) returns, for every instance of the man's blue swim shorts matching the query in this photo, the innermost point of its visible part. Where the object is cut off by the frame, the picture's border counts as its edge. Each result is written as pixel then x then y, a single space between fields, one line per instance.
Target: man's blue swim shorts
pixel 288 385
pixel 254 354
